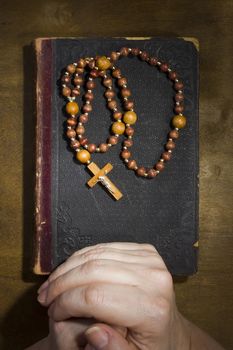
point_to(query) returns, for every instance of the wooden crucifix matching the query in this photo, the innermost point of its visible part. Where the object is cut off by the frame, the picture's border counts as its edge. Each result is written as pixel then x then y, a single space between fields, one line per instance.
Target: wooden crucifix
pixel 100 176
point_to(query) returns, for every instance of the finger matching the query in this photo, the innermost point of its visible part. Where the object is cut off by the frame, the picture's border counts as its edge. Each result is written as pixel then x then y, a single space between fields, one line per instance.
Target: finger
pixel 94 271
pixel 130 256
pixel 104 337
pixel 103 302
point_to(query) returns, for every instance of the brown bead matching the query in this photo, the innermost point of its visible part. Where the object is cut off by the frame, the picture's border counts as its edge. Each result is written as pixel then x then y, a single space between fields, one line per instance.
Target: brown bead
pixel 107 82
pixel 80 130
pixel 117 115
pixel 65 79
pixel 125 154
pixel 128 143
pixel 125 92
pixel 89 96
pixel 101 73
pixel 113 140
pixel 170 145
pixel 75 92
pixel 129 131
pixel 179 85
pixel 174 134
pixel 114 56
pixel 179 121
pixel 66 91
pixel 109 93
pixel 144 56
pixel 83 156
pixel 94 73
pixel 79 70
pixel 81 63
pixel 179 109
pixel 152 173
pixel 141 171
pixel 91 147
pixel 87 108
pixel 166 156
pixel 173 75
pixel 83 141
pixel 112 104
pixel 75 144
pixel 90 84
pixel 103 147
pixel 159 166
pixel 71 121
pixel 103 63
pixel 72 108
pixel 83 118
pixel 153 61
pixel 135 51
pixel 128 105
pixel 116 73
pixel 118 128
pixel 122 81
pixel 124 51
pixel 78 81
pixel 179 97
pixel 70 133
pixel 132 164
pixel 164 67
pixel 71 68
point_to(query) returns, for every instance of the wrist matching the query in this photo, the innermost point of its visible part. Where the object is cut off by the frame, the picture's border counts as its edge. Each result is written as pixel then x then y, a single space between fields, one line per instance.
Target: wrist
pixel 182 333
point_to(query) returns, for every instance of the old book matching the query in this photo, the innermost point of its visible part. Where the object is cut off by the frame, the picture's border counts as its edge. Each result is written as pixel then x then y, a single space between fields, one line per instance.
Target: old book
pixel 162 211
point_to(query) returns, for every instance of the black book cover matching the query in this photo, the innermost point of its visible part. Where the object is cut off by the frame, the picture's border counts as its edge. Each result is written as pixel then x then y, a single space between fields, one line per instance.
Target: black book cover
pixel 162 211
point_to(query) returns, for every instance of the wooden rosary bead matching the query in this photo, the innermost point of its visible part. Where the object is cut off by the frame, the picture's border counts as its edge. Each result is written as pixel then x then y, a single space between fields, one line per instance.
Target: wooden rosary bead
pixel 80 130
pixel 116 73
pixel 130 117
pixel 75 92
pixel 81 63
pixel 117 115
pixel 159 166
pixel 75 144
pixel 129 105
pixel 83 156
pixel 118 128
pixel 125 154
pixel 170 145
pixel 107 82
pixel 141 171
pixel 91 64
pixel 153 61
pixel 89 96
pixel 79 70
pixel 179 121
pixel 164 67
pixel 129 131
pixel 122 81
pixel 132 164
pixel 179 109
pixel 72 108
pixel 144 56
pixel 87 108
pixel 174 134
pixel 173 75
pixel 179 85
pixel 113 140
pixel 83 118
pixel 114 56
pixel 91 147
pixel 179 97
pixel 112 104
pixel 128 143
pixel 66 91
pixel 71 133
pixel 71 68
pixel 78 81
pixel 124 51
pixel 135 51
pixel 103 147
pixel 83 141
pixel 71 122
pixel 94 73
pixel 125 92
pixel 109 94
pixel 65 79
pixel 103 63
pixel 90 84
pixel 152 173
pixel 166 156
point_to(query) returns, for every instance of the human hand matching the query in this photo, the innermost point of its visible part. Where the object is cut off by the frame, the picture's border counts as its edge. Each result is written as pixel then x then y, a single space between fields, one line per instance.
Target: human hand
pixel 120 285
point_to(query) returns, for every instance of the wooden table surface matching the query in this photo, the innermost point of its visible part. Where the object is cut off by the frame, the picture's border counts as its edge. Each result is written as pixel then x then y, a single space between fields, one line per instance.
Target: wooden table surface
pixel 207 297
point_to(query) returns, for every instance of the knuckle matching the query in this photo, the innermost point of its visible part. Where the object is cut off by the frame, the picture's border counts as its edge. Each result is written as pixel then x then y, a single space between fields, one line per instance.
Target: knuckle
pixel 94 254
pixel 165 280
pixel 149 246
pixel 91 265
pixel 94 295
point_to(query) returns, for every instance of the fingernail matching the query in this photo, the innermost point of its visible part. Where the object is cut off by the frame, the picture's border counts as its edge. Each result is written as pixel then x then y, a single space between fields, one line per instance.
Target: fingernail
pixel 97 337
pixel 43 286
pixel 42 296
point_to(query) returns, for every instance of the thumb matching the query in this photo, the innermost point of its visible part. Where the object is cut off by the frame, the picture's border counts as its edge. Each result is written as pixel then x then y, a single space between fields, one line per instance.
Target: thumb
pixel 104 337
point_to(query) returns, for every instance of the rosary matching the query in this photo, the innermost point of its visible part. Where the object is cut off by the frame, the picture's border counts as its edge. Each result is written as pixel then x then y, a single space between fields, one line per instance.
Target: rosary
pixel 98 67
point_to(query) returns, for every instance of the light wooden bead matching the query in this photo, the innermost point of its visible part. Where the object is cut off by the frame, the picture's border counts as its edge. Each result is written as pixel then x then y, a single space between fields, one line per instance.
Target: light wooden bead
pixel 83 156
pixel 118 128
pixel 130 117
pixel 103 63
pixel 72 108
pixel 179 121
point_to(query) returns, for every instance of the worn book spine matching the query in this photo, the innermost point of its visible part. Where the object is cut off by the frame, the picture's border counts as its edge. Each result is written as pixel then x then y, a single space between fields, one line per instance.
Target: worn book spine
pixel 42 251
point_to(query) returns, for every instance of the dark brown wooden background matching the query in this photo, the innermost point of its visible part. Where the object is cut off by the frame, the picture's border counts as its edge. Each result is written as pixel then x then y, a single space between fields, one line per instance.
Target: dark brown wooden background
pixel 207 298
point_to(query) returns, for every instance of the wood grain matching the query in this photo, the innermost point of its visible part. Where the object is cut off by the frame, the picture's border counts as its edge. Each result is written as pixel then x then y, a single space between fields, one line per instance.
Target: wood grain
pixel 205 298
